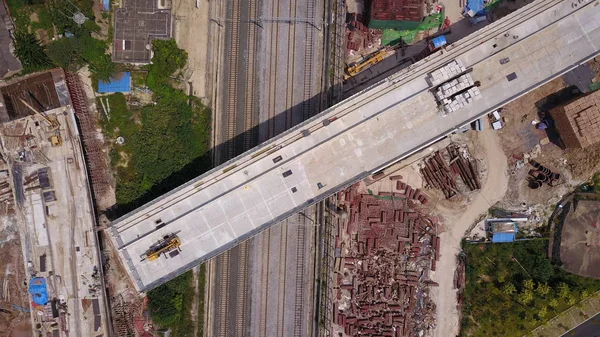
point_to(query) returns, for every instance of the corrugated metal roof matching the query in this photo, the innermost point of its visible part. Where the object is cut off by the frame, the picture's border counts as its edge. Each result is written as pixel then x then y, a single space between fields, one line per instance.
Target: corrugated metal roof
pixel 119 83
pixel 503 237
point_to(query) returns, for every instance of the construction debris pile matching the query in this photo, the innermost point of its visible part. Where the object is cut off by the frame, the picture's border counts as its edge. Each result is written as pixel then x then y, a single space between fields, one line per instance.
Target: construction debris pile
pixel 541 175
pixel 386 252
pixel 358 36
pixel 441 175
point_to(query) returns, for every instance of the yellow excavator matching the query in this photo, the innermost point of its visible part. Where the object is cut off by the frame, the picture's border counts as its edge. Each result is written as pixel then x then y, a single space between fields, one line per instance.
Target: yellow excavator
pixel 356 68
pixel 166 244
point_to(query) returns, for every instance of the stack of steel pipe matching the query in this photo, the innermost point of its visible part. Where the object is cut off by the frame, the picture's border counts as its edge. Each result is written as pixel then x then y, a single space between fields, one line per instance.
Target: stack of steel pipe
pixel 541 175
pixel 438 175
pixel 465 168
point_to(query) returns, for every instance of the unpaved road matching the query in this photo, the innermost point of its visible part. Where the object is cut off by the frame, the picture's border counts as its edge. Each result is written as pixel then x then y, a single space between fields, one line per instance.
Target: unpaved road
pixel 458 222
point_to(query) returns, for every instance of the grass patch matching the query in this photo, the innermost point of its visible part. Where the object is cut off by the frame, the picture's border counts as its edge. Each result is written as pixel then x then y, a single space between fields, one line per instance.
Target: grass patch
pixel 201 284
pixel 512 288
pixel 138 79
pixel 165 146
pixel 170 304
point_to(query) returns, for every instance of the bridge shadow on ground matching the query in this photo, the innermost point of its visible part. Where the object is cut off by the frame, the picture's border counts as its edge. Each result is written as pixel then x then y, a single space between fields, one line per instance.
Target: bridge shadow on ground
pixel 236 146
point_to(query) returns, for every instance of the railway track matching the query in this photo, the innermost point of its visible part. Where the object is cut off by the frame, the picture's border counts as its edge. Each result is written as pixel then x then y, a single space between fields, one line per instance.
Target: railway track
pixel 266 246
pixel 240 115
pixel 308 62
pixel 272 73
pixel 299 295
pixel 289 101
pixel 282 280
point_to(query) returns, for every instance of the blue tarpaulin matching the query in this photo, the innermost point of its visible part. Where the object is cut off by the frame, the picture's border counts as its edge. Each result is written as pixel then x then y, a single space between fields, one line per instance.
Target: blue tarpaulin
pixel 474 5
pixel 118 83
pixel 503 237
pixel 38 290
pixel 439 41
pixel 106 4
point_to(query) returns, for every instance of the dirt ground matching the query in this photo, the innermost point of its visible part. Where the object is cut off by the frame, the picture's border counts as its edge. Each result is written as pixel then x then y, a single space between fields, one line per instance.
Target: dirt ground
pixel 521 140
pixel 13 292
pixel 191 33
pixel 580 239
pixel 458 217
pixel 503 157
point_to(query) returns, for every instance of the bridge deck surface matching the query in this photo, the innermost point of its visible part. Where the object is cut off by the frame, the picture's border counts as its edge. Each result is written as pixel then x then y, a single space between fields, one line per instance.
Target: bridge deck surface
pixel 375 128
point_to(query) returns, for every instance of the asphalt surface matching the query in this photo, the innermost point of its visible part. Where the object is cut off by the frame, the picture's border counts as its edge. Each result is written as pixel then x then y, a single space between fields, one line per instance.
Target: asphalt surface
pixel 589 328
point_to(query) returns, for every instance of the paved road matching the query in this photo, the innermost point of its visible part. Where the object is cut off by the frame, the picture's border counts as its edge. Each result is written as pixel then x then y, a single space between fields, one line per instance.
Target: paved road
pixel 589 328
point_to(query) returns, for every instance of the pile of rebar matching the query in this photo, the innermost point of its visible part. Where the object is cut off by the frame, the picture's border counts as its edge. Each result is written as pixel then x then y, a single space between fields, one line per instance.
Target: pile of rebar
pixel 467 169
pixel 438 175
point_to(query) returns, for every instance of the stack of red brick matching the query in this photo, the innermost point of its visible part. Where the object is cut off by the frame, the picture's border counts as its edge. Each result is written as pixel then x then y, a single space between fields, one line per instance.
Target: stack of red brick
pixel 398 10
pixel 391 250
pixel 358 35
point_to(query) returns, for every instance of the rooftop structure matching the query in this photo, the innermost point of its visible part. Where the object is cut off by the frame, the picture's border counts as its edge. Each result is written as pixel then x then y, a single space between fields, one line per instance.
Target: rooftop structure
pixel 396 14
pixel 578 122
pixel 9 64
pixel 353 139
pixel 37 90
pixel 120 82
pixel 137 23
pixel 503 231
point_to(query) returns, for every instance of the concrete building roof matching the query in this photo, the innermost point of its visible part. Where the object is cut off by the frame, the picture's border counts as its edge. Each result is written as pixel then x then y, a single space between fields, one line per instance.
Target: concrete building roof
pixel 9 64
pixel 578 121
pixel 353 139
pixel 137 23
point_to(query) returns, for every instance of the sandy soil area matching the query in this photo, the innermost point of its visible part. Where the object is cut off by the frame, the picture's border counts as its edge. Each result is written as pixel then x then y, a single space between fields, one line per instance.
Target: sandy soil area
pixel 191 33
pixel 458 220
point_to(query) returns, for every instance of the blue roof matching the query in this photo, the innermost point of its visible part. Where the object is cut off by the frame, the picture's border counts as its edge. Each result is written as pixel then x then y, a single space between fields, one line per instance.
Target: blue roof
pixel 38 290
pixel 474 5
pixel 503 237
pixel 120 82
pixel 439 41
pixel 106 4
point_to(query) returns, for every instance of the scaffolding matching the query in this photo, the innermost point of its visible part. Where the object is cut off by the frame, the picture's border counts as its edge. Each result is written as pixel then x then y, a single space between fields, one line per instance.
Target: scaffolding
pixel 96 160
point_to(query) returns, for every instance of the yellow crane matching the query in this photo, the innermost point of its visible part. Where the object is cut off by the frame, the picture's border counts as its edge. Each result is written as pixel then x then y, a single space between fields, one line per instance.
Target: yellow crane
pixel 166 244
pixel 358 67
pixel 53 123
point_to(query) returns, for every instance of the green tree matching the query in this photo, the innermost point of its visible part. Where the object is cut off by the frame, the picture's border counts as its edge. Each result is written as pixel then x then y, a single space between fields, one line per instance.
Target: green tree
pixel 167 59
pixel 584 294
pixel 65 53
pixel 543 311
pixel 103 68
pixel 542 289
pixel 563 290
pixel 525 297
pixel 553 303
pixel 509 289
pixel 541 269
pixel 570 300
pixel 31 53
pixel 528 284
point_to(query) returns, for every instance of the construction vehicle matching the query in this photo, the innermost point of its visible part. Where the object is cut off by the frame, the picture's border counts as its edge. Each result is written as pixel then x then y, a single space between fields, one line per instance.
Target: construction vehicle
pixel 166 244
pixel 356 68
pixel 56 139
pixel 53 123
